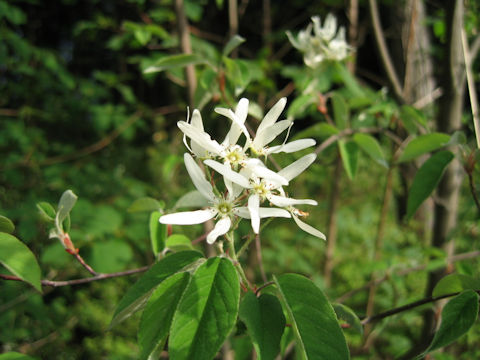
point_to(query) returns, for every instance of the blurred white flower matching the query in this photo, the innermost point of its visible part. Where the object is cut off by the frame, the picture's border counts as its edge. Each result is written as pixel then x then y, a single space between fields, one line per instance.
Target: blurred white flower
pixel 325 43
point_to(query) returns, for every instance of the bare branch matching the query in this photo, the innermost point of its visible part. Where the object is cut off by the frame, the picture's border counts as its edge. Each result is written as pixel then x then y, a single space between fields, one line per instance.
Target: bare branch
pixel 384 54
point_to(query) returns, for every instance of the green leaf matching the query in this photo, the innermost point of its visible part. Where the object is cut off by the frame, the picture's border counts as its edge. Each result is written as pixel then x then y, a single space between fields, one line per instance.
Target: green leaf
pixel 158 233
pixel 371 146
pixel 349 154
pixel 454 283
pixel 340 111
pixel 422 145
pixel 19 260
pixel 207 311
pixel 426 180
pixel 233 43
pixel 175 61
pixel 348 315
pixel 412 118
pixel 158 314
pixel 137 295
pixel 6 225
pixel 458 316
pixel 15 356
pixel 46 210
pixel 178 242
pixel 312 317
pixel 265 322
pixel 65 205
pixel 145 204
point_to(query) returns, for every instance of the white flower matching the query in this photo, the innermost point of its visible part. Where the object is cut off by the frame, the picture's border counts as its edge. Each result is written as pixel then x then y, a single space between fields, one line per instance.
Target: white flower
pixel 203 146
pixel 326 43
pixel 219 207
pixel 223 208
pixel 264 184
pixel 267 131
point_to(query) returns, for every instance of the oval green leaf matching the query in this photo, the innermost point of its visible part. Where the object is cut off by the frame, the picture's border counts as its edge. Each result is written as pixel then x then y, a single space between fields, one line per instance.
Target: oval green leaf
pixel 454 283
pixel 265 322
pixel 207 311
pixel 349 154
pixel 65 205
pixel 348 315
pixel 426 180
pixel 137 296
pixel 6 225
pixel 232 44
pixel 46 210
pixel 340 111
pixel 422 145
pixel 19 260
pixel 458 316
pixel 371 146
pixel 314 322
pixel 158 314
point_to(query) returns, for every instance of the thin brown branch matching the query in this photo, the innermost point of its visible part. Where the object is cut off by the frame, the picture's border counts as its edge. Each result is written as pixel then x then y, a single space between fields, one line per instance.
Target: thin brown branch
pixel 384 54
pixel 407 307
pixel 82 280
pixel 84 264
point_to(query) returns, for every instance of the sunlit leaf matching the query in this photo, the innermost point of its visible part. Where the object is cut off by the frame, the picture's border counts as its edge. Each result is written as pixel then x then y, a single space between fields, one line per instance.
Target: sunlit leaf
pixel 207 311
pixel 315 324
pixel 426 180
pixel 423 144
pixel 178 242
pixel 19 260
pixel 265 322
pixel 15 356
pixel 138 294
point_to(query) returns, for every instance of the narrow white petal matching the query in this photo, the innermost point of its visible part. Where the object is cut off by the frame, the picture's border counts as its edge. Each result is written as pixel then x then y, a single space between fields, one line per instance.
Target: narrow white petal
pixel 253 209
pixel 264 212
pixel 188 217
pixel 272 115
pixel 269 134
pixel 292 146
pixel 200 137
pixel 198 177
pixel 282 201
pixel 234 190
pixel 309 229
pixel 221 227
pixel 297 167
pixel 197 123
pixel 273 212
pixel 228 173
pixel 257 168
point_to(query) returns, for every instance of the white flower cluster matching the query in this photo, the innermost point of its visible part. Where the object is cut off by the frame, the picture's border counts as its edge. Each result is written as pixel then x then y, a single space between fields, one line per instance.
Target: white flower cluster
pixel 325 43
pixel 248 183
